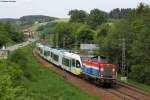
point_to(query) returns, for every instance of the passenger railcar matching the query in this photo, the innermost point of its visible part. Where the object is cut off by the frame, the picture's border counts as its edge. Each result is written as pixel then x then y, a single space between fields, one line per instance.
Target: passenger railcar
pixel 62 58
pixel 92 67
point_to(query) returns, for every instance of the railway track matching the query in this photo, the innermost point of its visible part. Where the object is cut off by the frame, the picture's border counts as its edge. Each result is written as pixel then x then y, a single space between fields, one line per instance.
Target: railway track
pixel 127 94
pixel 121 95
pixel 133 88
pixel 119 92
pixel 130 92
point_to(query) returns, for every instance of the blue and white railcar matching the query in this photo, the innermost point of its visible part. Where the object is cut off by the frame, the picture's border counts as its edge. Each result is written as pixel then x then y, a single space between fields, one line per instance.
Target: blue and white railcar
pixel 71 62
pixel 66 60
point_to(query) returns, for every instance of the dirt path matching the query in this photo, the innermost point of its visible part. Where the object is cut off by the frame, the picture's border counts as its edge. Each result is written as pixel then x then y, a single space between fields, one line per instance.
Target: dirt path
pixel 89 88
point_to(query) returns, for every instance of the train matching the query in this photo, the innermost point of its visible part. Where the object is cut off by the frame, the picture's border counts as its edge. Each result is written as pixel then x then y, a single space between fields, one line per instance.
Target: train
pixel 89 67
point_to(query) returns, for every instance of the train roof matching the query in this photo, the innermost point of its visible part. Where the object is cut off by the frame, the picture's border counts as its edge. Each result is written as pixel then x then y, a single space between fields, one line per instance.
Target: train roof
pixel 59 51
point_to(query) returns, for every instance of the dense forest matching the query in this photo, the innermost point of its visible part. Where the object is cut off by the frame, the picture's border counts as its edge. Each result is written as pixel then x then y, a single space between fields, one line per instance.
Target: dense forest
pixel 121 13
pixel 135 32
pixel 128 25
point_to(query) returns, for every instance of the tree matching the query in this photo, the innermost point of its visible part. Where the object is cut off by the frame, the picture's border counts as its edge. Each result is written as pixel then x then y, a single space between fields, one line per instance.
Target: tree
pixel 140 10
pixel 135 30
pixel 68 35
pixel 79 16
pixel 19 58
pixel 17 36
pixel 85 34
pixel 63 36
pixel 10 80
pixel 121 13
pixel 140 52
pixel 8 33
pixel 3 34
pixel 3 39
pixel 96 18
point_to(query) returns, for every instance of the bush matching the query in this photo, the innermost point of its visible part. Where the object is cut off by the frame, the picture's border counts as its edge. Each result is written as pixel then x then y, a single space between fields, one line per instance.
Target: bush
pixel 10 80
pixel 17 37
pixel 140 74
pixel 19 58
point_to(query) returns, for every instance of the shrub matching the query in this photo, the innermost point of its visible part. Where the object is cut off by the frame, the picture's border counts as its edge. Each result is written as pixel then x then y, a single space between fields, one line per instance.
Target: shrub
pixel 19 58
pixel 140 74
pixel 10 80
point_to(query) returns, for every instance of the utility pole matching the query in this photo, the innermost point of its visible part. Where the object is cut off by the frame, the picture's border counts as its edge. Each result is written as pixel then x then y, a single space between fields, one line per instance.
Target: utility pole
pixel 76 43
pixel 123 67
pixel 64 39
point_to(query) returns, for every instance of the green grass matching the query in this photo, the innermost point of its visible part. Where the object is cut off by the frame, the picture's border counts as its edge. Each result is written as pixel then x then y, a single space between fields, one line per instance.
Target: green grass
pixel 136 84
pixel 45 84
pixel 36 25
pixel 61 20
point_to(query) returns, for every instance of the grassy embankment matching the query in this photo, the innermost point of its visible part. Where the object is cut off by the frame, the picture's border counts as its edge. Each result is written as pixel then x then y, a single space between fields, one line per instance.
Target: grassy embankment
pixel 36 25
pixel 136 84
pixel 47 85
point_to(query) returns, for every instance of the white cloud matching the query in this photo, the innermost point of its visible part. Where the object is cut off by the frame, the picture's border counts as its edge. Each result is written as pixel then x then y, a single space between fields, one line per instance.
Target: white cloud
pixel 60 8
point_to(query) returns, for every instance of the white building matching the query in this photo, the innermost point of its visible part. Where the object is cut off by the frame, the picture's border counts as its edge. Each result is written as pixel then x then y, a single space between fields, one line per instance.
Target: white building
pixel 88 46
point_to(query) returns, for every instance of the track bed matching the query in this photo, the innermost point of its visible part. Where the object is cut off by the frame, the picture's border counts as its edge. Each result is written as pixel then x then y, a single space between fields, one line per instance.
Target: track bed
pixel 117 93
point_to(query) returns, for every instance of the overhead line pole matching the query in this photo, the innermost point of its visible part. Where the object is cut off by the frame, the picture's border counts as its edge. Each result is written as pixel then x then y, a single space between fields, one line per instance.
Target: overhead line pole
pixel 123 67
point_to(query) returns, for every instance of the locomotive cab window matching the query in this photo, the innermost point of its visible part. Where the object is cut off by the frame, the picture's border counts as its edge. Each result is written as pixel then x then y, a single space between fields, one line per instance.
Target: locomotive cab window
pixel 78 65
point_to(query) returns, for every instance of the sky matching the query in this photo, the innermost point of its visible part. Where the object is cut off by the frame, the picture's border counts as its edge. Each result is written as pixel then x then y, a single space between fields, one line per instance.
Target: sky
pixel 60 8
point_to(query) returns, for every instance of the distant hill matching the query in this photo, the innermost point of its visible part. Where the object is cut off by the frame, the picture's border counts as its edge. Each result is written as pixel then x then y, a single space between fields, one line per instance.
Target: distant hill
pixel 40 18
pixel 8 19
pixel 29 20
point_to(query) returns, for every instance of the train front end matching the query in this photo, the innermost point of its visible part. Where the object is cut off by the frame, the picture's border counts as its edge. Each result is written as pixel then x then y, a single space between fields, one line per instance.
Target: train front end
pixel 107 73
pixel 99 70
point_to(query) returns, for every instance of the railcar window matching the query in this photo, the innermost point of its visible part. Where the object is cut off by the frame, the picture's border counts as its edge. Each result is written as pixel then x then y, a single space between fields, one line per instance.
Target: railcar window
pixel 46 53
pixel 78 64
pixel 66 62
pixel 51 55
pixel 40 50
pixel 73 63
pixel 55 57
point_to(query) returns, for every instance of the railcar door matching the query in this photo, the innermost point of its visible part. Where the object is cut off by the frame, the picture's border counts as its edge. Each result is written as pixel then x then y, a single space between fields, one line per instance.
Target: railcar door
pixel 78 65
pixel 73 65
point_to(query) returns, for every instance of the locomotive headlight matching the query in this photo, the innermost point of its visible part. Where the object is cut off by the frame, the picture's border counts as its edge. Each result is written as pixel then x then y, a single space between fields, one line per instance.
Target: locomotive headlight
pixel 102 69
pixel 113 69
